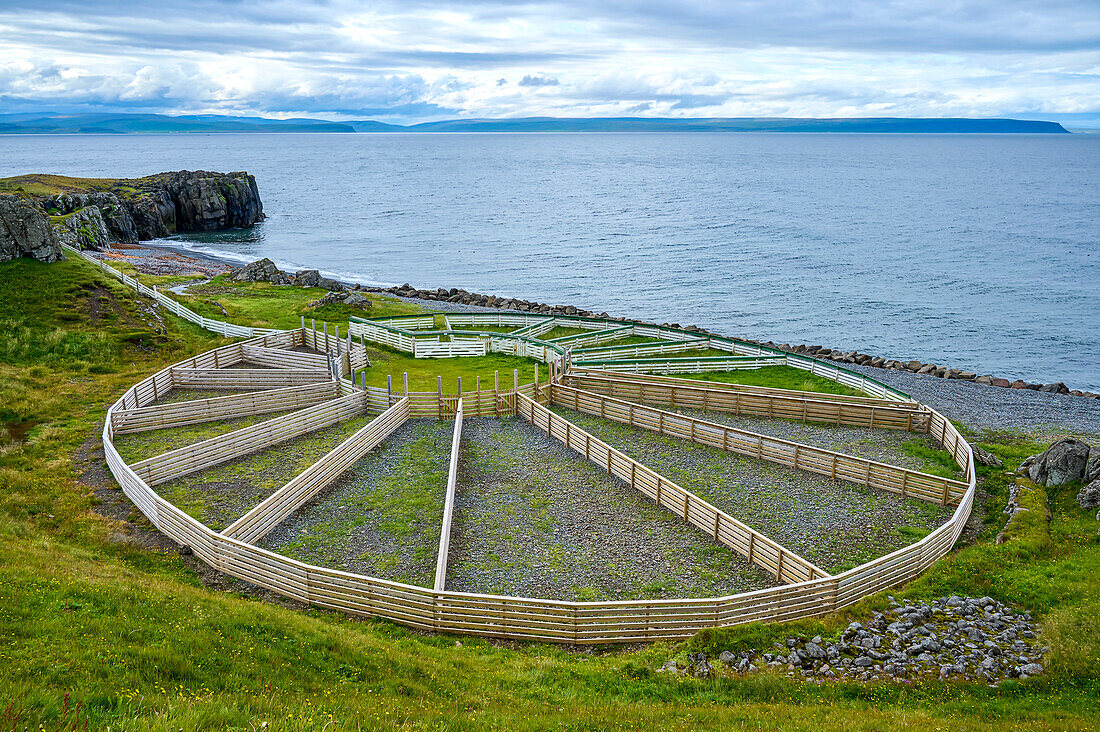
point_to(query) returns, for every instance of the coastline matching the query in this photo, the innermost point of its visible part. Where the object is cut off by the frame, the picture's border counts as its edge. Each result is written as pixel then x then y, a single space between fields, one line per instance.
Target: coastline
pixel 165 259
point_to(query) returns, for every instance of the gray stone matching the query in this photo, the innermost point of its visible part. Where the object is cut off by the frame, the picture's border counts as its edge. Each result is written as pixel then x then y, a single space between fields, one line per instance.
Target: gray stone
pixel 1063 462
pixel 262 270
pixel 1031 669
pixel 985 457
pixel 1092 467
pixel 25 231
pixel 83 229
pixel 815 651
pixel 863 661
pixel 726 657
pixel 1089 496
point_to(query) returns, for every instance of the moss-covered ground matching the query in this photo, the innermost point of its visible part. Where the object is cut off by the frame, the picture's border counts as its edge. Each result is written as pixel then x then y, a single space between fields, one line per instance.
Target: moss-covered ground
pixel 99 630
pixel 381 518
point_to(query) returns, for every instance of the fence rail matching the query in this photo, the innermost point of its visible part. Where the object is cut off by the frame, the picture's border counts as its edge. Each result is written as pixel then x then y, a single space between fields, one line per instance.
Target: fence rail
pixel 771 403
pixel 449 504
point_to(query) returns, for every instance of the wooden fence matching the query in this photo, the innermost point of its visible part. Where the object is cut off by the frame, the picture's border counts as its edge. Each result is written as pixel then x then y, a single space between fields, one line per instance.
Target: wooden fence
pixel 197 411
pixel 809 590
pixel 223 448
pixel 685 365
pixel 449 504
pixel 273 510
pixel 757 402
pixel 537 619
pixel 780 562
pixel 839 466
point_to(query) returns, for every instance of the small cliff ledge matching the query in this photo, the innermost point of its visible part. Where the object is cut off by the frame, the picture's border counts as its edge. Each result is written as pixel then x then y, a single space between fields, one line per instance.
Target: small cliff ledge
pixel 39 213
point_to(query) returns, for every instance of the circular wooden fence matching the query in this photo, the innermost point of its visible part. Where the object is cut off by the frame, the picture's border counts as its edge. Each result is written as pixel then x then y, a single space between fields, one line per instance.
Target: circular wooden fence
pixel 586 373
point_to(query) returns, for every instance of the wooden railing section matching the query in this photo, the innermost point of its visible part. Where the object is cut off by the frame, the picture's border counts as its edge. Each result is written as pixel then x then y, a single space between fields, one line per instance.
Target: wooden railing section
pixel 197 411
pixel 770 403
pixel 836 465
pixel 449 504
pixel 781 563
pixel 223 448
pixel 274 509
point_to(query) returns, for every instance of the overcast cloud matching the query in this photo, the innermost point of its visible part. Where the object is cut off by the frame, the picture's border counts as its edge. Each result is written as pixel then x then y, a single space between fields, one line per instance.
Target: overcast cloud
pixel 423 60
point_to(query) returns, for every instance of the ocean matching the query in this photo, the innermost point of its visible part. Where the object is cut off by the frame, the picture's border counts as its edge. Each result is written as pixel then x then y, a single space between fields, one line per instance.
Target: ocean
pixel 979 252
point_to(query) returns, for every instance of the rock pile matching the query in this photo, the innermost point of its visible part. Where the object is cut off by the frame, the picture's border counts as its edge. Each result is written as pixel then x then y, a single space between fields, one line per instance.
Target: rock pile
pixel 959 638
pixel 930 369
pixel 313 278
pixel 353 299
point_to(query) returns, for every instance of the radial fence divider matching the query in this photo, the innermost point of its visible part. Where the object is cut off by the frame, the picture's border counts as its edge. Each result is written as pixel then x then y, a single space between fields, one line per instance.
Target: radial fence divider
pixel 255 379
pixel 197 411
pixel 449 503
pixel 797 455
pixel 274 509
pixel 223 448
pixel 783 564
pixel 802 406
pixel 638 350
pixel 655 380
pixel 699 365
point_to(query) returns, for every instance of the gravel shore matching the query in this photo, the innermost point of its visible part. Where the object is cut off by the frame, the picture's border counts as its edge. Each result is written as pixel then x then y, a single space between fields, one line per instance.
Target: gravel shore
pixel 995 408
pixel 834 524
pixel 382 518
pixel 533 518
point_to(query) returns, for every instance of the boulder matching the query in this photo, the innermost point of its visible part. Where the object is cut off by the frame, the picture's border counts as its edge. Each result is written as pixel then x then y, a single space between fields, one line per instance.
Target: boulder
pixel 1063 462
pixel 1056 388
pixel 354 299
pixel 985 457
pixel 307 278
pixel 262 270
pixel 25 231
pixel 1089 496
pixel 1092 467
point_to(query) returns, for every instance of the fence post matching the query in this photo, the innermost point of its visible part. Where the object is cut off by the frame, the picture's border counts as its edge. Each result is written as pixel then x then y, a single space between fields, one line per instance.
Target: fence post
pixel 325 324
pixel 515 392
pixel 313 326
pixel 406 384
pixel 439 394
pixel 496 391
pixel 389 389
pixel 303 330
pixel 338 351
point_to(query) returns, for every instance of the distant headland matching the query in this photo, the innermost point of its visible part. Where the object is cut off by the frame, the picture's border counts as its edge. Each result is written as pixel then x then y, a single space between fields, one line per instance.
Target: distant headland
pixel 157 123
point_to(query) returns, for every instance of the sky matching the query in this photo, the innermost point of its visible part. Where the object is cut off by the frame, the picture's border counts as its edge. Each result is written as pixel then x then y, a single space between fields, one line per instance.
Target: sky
pixel 419 60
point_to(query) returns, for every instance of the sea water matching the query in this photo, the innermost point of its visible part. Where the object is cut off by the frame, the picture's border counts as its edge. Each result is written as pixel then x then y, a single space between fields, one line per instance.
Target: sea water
pixel 979 252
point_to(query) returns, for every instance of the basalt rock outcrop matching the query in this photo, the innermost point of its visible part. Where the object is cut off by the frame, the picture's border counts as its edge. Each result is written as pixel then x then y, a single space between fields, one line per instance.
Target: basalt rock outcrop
pixel 38 213
pixel 1066 461
pixel 25 231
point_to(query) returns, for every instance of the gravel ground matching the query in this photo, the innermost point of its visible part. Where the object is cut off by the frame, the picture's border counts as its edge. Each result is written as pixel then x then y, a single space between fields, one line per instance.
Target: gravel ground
pixel 533 518
pixel 904 449
pixel 382 518
pixel 221 495
pixel 834 524
pixel 993 407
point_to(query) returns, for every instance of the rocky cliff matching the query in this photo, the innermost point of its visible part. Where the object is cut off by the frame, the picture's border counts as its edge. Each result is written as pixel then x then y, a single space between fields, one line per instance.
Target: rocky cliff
pixel 38 213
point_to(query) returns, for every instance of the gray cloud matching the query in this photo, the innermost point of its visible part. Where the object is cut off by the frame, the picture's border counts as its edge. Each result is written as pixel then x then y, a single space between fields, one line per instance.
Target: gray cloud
pixel 422 59
pixel 529 80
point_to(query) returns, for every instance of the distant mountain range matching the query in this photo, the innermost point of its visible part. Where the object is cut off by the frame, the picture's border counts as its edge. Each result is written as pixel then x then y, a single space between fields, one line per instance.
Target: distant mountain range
pixel 28 123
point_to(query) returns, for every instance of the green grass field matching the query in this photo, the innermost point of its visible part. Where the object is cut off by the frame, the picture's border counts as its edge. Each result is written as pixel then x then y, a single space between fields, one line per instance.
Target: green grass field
pixel 95 629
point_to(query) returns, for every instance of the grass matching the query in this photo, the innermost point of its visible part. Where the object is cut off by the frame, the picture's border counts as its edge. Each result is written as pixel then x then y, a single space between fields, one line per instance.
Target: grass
pixel 102 631
pixel 777 377
pixel 264 305
pixel 43 184
pixel 423 372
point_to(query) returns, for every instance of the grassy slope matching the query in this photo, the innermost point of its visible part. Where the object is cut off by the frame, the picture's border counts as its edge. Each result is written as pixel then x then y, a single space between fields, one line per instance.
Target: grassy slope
pixel 135 642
